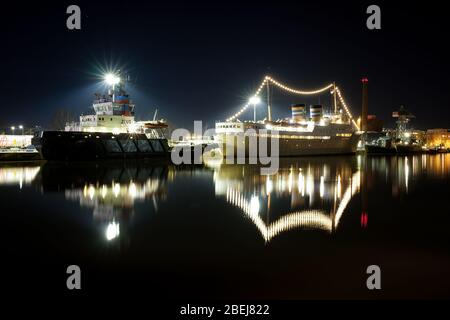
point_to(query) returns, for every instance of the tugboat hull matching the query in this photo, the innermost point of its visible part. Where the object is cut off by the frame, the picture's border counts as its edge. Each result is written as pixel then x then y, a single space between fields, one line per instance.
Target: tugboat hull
pixel 405 149
pixel 69 145
pixel 374 149
pixel 398 149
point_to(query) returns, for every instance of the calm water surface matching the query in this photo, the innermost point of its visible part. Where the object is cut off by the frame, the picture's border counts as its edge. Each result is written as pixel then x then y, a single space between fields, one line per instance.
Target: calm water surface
pixel 225 231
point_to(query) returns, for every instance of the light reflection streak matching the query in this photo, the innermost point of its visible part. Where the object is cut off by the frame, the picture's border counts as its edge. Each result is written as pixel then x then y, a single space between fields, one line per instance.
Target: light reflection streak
pixel 112 231
pixel 406 174
pixel 113 195
pixel 18 175
pixel 308 218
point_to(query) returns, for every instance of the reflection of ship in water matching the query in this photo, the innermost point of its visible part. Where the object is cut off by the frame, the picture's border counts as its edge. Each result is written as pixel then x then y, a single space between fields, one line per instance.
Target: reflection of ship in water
pixel 18 174
pixel 111 190
pixel 320 193
pixel 303 194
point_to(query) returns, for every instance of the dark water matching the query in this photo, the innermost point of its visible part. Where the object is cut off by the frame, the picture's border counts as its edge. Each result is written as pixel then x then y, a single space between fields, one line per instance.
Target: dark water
pixel 225 231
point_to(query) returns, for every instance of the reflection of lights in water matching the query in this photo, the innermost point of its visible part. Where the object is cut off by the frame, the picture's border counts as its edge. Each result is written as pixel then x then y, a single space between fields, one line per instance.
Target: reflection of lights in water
pixel 104 191
pixel 112 231
pixel 424 161
pixel 110 198
pixel 301 184
pixel 322 186
pixel 132 190
pixel 349 192
pixel 18 175
pixel 282 183
pixel 91 192
pixel 314 219
pixel 254 205
pixel 116 189
pixel 306 218
pixel 364 220
pixel 310 187
pixel 406 173
pixel 269 185
pixel 339 187
pixel 213 162
pixel 290 181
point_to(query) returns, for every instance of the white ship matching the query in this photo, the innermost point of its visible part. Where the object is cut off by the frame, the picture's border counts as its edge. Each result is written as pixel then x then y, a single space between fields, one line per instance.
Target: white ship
pixel 309 131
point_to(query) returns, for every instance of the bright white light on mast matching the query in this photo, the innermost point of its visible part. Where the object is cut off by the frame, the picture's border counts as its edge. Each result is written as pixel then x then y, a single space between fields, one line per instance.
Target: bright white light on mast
pixel 255 100
pixel 111 79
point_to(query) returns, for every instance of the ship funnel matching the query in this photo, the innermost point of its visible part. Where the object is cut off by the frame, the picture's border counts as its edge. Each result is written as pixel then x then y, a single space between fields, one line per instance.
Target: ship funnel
pixel 316 112
pixel 298 112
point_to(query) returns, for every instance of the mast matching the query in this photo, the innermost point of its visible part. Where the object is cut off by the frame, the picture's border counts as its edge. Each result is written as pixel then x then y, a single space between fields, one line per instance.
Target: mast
pixel 269 111
pixel 335 98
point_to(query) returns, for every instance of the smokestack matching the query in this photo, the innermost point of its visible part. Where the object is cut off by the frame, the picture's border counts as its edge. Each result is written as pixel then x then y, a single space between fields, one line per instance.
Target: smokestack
pixel 316 112
pixel 298 112
pixel 365 103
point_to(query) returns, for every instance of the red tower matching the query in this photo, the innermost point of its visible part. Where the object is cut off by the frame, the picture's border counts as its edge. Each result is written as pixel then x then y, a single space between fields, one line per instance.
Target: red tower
pixel 365 103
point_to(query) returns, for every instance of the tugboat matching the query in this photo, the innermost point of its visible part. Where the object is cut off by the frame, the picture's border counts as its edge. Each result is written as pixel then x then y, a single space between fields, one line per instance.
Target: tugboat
pixel 383 146
pixel 111 132
pixel 399 141
pixel 405 142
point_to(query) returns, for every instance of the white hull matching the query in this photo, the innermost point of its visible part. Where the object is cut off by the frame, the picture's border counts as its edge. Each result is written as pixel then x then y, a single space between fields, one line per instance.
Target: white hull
pixel 289 147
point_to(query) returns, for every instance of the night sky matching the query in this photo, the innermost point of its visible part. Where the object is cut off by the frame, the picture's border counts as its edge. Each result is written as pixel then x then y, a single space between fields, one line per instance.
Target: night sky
pixel 201 61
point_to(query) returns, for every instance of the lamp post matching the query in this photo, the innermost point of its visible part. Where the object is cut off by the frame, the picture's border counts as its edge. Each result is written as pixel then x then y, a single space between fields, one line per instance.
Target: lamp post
pixel 254 101
pixel 111 79
pixel 12 129
pixel 21 128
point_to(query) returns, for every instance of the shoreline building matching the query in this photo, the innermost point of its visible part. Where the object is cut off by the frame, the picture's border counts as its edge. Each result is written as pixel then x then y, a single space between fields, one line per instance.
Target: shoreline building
pixel 438 138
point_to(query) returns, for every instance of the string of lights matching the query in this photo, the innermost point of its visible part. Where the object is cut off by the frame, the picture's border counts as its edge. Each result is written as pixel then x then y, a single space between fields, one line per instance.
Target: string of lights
pixel 237 114
pixel 341 99
pixel 299 92
pixel 296 91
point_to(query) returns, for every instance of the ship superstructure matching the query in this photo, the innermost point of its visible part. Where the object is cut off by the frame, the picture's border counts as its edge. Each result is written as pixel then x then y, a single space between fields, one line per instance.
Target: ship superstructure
pixel 114 113
pixel 309 131
pixel 324 134
pixel 110 132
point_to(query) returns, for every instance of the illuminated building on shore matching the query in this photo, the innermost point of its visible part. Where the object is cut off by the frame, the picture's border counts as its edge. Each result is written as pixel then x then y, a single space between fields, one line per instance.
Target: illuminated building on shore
pixel 438 137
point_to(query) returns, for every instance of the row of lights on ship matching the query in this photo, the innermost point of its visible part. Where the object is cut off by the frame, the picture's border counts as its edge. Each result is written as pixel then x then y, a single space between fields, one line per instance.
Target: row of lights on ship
pixel 256 100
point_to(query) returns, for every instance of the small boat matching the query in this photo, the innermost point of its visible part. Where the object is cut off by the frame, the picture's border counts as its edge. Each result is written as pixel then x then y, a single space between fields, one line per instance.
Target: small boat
pixel 438 149
pixel 18 148
pixel 19 154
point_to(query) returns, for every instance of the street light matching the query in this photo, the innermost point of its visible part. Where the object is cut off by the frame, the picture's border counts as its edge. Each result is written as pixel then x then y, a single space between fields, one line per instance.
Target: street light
pixel 254 101
pixel 12 129
pixel 21 128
